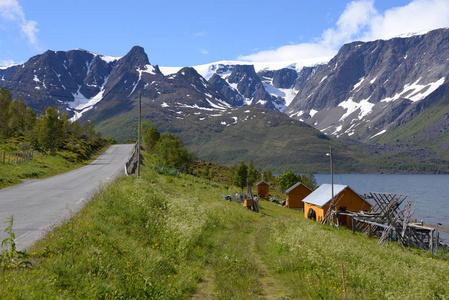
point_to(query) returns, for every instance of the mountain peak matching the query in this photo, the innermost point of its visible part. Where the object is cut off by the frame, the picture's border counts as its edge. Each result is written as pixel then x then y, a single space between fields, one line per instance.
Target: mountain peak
pixel 136 57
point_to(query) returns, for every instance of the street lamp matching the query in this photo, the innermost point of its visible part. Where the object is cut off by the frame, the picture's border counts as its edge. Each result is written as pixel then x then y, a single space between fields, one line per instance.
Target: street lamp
pixel 332 178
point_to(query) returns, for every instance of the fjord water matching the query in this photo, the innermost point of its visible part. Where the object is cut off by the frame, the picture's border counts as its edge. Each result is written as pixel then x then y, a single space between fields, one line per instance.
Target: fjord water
pixel 430 192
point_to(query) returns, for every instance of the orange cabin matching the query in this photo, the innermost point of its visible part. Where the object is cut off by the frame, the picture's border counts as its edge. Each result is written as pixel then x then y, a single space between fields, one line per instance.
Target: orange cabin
pixel 263 189
pixel 295 194
pixel 317 203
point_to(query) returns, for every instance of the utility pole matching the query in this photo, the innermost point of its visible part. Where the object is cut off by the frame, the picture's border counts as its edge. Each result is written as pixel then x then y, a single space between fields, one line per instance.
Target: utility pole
pixel 138 138
pixel 332 182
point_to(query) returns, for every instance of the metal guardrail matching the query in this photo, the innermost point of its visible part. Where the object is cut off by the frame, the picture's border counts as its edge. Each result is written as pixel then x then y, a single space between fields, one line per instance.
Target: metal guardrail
pixel 130 162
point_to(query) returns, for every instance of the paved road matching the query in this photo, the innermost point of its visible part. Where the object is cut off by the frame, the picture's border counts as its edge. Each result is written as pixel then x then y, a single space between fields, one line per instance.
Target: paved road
pixel 39 204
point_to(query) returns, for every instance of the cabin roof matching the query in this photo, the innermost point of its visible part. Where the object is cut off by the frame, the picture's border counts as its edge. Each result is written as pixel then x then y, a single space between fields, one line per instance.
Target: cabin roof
pixel 262 182
pixel 296 185
pixel 323 194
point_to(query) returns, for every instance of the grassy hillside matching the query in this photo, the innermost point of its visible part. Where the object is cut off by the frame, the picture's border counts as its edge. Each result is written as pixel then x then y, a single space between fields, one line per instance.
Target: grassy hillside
pixel 43 165
pixel 165 237
pixel 274 141
pixel 421 144
pixel 271 139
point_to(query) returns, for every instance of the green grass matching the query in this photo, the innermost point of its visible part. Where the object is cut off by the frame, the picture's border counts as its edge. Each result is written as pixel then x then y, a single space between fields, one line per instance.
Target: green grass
pixel 42 165
pixel 165 237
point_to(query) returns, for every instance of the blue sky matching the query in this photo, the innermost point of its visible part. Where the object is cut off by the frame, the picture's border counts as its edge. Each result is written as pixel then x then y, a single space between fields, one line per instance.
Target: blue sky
pixel 187 33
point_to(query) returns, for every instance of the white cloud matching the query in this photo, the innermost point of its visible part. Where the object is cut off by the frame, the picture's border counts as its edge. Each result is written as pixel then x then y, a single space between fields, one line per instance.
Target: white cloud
pixel 199 34
pixel 205 52
pixel 354 20
pixel 361 21
pixel 291 52
pixel 10 10
pixel 418 15
pixel 29 28
pixel 7 63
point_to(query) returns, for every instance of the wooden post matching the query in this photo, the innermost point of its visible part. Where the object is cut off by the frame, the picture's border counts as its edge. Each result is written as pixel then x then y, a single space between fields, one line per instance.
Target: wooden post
pixel 431 242
pixel 353 225
pixel 282 226
pixel 437 235
pixel 344 283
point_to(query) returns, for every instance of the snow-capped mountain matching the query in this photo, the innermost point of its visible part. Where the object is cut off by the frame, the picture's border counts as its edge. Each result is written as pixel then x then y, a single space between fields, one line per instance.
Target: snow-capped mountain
pixel 369 88
pixel 78 80
pixel 67 79
pixel 272 85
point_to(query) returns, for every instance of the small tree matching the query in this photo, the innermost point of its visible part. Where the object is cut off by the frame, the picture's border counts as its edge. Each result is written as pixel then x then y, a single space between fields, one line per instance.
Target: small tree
pixel 267 176
pixel 207 171
pixel 151 138
pixel 287 179
pixel 309 180
pixel 252 173
pixel 170 152
pixel 50 130
pixel 5 101
pixel 88 129
pixel 240 176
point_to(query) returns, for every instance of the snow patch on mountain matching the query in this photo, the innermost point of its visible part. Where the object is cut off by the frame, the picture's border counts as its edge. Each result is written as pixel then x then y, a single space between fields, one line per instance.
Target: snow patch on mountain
pixel 358 83
pixel 109 59
pixel 208 70
pixel 415 91
pixel 379 133
pixel 81 104
pixel 351 106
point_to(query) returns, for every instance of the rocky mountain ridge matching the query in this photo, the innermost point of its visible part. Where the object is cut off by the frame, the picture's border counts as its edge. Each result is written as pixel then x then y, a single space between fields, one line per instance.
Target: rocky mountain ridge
pixel 369 88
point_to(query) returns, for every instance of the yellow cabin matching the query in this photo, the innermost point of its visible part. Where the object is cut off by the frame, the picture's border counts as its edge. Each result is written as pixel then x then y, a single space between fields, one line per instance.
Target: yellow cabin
pixel 263 189
pixel 295 194
pixel 317 203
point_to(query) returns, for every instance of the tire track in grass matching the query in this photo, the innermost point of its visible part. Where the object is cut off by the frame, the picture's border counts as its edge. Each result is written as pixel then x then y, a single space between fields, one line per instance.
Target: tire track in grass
pixel 272 288
pixel 205 290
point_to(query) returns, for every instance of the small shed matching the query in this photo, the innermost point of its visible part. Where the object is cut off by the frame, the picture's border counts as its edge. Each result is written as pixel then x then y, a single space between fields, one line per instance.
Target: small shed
pixel 263 189
pixel 295 194
pixel 317 203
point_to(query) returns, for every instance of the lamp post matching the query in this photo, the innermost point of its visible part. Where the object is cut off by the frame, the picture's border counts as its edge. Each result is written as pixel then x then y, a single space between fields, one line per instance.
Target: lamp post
pixel 332 180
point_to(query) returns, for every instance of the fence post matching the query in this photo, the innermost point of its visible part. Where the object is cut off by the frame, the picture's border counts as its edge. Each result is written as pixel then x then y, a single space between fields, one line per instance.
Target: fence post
pixel 344 281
